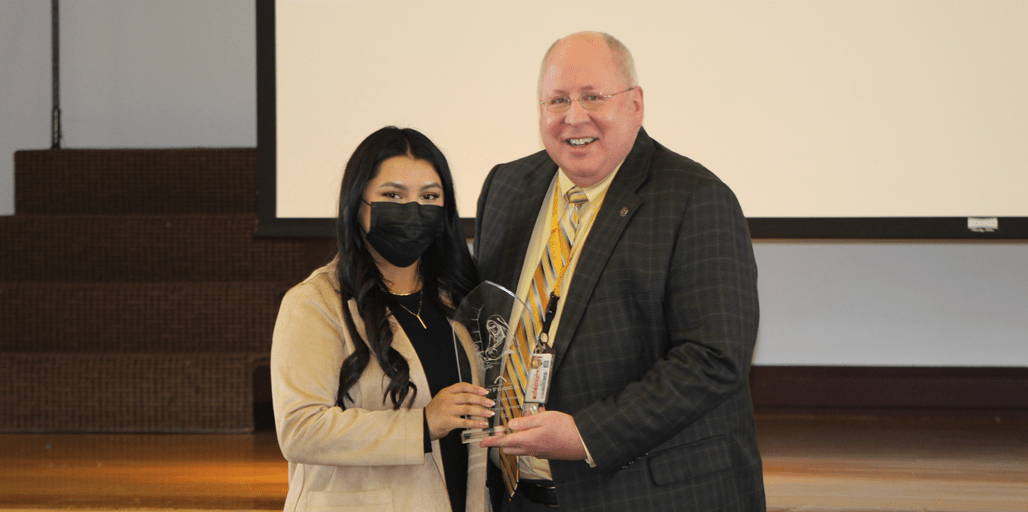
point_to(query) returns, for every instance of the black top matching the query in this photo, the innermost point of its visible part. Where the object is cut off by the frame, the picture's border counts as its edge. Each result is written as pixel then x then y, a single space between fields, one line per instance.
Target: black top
pixel 437 350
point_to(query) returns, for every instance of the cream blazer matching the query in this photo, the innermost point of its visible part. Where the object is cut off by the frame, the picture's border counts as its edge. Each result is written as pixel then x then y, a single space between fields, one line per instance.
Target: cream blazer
pixel 368 457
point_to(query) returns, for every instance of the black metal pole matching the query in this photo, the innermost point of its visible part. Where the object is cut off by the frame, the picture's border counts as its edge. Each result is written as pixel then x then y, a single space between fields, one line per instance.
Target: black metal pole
pixel 55 114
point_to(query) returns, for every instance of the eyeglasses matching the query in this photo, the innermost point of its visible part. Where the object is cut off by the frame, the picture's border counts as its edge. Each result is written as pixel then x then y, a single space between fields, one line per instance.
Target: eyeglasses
pixel 590 101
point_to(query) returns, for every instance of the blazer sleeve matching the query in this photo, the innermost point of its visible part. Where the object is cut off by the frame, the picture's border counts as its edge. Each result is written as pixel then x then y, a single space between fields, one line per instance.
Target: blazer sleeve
pixel 309 345
pixel 709 308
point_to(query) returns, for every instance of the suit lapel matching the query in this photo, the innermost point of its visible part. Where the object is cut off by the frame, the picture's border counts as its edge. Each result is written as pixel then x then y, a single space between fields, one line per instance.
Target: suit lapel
pixel 518 219
pixel 619 205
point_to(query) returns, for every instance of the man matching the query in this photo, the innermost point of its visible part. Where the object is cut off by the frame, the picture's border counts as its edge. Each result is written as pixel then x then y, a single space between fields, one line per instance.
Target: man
pixel 649 406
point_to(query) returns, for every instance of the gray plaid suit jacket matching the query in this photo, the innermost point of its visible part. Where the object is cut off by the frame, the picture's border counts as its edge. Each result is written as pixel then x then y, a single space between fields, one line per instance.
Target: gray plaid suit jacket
pixel 656 335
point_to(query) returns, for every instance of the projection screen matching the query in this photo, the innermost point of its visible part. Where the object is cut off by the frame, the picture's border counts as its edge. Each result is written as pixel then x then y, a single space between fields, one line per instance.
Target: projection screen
pixel 838 119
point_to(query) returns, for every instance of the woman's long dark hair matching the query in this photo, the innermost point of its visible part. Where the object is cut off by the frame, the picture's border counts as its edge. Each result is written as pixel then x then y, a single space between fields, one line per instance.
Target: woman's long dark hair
pixel 445 268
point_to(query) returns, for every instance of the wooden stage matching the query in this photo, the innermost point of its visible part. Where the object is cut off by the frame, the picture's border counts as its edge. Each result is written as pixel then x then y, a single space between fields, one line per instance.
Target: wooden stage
pixel 811 463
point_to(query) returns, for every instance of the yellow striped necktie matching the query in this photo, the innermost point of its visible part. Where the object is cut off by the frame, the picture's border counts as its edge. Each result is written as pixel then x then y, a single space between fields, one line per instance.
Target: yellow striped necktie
pixel 547 279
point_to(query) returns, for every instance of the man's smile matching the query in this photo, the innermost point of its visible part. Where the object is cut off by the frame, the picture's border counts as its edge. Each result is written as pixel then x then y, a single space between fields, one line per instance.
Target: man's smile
pixel 581 142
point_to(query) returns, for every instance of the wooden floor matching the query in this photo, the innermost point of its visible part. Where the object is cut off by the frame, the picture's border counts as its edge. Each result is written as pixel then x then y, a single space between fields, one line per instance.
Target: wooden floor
pixel 839 464
pixel 895 464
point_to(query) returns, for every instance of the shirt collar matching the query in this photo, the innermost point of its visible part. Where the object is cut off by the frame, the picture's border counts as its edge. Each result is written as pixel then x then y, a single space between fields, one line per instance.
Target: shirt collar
pixel 594 193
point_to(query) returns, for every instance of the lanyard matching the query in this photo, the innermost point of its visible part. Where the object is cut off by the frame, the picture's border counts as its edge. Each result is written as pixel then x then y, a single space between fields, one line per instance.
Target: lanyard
pixel 554 245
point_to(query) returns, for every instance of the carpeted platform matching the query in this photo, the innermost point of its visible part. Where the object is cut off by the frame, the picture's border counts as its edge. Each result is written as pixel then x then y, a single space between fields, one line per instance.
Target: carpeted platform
pixel 134 296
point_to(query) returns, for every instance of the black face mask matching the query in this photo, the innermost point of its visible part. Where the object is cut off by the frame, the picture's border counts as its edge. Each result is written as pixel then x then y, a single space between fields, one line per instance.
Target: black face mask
pixel 402 232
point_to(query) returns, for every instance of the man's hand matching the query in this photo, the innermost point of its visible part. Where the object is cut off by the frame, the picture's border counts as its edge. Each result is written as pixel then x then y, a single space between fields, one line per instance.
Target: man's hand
pixel 461 405
pixel 545 435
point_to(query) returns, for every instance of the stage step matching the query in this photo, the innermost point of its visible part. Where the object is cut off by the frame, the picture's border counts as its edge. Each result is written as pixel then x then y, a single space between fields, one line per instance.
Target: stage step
pixel 134 296
pixel 152 248
pixel 135 181
pixel 166 393
pixel 205 317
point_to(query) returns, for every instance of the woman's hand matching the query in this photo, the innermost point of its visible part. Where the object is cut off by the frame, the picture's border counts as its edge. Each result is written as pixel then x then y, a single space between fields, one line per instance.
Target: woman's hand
pixel 461 405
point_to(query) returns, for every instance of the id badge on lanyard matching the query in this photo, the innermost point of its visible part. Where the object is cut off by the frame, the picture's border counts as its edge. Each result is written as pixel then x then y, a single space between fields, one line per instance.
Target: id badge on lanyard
pixel 541 363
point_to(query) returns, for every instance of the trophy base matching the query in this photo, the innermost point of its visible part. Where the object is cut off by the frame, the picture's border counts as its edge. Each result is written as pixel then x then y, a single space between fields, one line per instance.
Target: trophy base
pixel 472 435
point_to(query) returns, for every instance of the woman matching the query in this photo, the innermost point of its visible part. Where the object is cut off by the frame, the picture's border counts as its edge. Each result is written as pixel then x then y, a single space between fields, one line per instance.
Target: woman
pixel 371 382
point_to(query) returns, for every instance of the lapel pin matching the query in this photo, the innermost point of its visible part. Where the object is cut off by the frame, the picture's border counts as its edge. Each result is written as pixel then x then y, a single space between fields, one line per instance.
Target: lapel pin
pixel 624 211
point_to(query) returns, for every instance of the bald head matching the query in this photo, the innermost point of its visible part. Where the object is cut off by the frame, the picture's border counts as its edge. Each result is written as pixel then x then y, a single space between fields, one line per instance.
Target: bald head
pixel 622 58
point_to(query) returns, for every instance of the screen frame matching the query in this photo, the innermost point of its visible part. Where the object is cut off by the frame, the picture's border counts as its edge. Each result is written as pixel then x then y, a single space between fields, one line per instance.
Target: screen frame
pixel 849 228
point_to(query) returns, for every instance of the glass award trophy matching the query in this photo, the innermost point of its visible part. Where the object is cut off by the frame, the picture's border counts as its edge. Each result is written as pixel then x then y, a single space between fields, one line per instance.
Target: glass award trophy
pixel 486 313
